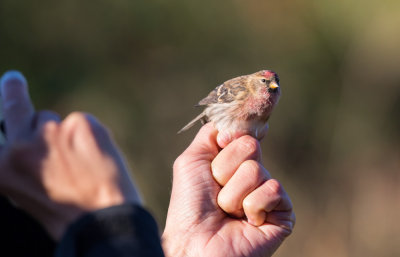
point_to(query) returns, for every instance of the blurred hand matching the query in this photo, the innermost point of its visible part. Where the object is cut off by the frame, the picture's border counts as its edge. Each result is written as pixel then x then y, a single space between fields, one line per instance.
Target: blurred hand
pixel 57 170
pixel 225 203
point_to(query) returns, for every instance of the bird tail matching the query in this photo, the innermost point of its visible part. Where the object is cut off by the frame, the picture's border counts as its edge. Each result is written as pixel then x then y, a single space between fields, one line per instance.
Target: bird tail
pixel 202 117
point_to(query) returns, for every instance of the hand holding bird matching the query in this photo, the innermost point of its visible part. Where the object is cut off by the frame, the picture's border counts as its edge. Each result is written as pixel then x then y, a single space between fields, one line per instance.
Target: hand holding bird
pixel 240 106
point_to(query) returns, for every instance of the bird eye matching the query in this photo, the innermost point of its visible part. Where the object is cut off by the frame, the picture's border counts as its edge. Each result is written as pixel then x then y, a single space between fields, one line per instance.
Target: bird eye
pixel 263 80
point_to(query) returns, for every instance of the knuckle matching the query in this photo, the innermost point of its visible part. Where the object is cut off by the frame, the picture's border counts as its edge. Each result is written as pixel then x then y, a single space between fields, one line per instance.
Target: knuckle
pixel 225 202
pixel 274 186
pixel 46 123
pixel 215 169
pixel 182 167
pixel 221 172
pixel 249 204
pixel 50 127
pixel 179 163
pixel 251 167
pixel 75 121
pixel 248 144
pixel 76 117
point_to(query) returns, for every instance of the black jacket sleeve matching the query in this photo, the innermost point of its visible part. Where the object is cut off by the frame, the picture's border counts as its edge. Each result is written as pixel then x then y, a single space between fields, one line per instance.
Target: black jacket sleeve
pixel 118 231
pixel 21 235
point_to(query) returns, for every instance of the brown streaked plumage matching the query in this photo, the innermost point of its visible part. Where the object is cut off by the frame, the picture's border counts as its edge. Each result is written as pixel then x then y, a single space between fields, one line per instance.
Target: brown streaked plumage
pixel 241 104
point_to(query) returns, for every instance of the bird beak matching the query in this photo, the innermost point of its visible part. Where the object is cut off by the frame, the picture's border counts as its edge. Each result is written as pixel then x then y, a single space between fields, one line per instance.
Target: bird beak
pixel 273 85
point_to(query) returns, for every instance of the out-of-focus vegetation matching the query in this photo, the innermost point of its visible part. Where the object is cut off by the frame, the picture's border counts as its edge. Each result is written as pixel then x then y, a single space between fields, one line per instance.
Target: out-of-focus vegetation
pixel 140 66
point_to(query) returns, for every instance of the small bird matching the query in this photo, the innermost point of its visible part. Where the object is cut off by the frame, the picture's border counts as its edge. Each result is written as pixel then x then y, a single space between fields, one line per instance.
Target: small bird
pixel 241 105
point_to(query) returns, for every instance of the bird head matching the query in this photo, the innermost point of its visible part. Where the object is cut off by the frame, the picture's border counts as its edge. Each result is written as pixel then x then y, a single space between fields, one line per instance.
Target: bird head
pixel 269 80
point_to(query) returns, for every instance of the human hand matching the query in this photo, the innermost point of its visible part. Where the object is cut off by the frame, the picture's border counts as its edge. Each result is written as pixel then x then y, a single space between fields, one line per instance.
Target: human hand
pixel 58 170
pixel 225 203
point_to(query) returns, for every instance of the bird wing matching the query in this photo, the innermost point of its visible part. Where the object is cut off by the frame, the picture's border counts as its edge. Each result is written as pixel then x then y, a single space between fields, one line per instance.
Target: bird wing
pixel 226 92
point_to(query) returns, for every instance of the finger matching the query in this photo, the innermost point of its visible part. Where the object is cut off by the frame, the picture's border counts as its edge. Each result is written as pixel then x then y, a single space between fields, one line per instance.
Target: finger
pixel 203 148
pixel 270 196
pixel 41 118
pixel 46 127
pixel 246 179
pixel 105 144
pixel 17 105
pixel 224 138
pixel 204 142
pixel 76 132
pixel 231 157
pixel 84 132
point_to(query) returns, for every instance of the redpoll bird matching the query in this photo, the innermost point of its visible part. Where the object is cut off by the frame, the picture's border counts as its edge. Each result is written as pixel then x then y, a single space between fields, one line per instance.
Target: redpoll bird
pixel 241 105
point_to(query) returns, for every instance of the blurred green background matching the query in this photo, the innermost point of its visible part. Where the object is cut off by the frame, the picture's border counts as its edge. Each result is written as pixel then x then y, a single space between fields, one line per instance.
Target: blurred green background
pixel 140 66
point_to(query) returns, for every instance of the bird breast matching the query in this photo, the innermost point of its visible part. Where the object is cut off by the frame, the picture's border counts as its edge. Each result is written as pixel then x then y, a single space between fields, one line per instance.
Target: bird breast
pixel 258 106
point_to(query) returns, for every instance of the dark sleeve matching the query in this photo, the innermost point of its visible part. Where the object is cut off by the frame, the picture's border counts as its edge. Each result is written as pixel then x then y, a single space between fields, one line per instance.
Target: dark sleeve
pixel 118 231
pixel 22 235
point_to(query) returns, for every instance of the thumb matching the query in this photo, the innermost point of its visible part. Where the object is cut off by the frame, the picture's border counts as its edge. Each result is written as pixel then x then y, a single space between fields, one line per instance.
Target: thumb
pixel 204 146
pixel 194 164
pixel 192 177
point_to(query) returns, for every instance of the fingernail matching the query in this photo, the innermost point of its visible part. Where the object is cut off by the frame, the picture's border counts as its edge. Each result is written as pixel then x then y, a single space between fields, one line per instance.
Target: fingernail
pixel 224 139
pixel 11 76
